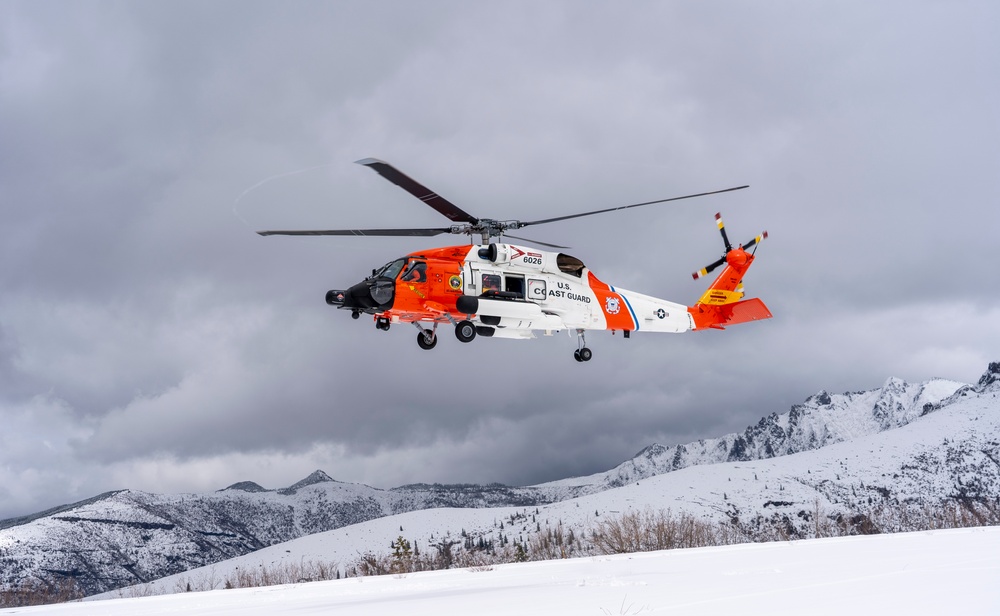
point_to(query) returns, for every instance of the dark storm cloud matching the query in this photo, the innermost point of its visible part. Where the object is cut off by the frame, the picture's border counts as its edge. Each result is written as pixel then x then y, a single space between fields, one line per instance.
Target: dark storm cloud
pixel 149 339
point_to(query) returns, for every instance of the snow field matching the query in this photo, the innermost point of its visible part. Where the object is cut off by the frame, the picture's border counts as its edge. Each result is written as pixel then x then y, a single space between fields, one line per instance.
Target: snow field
pixel 939 572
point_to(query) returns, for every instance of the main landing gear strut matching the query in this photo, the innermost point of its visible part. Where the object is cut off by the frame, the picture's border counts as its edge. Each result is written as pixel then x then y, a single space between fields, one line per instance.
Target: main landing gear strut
pixel 465 331
pixel 427 338
pixel 582 353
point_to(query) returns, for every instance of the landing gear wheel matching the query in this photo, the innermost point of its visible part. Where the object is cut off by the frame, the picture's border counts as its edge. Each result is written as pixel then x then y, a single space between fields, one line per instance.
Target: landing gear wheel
pixel 427 340
pixel 585 354
pixel 576 356
pixel 382 323
pixel 465 331
pixel 355 314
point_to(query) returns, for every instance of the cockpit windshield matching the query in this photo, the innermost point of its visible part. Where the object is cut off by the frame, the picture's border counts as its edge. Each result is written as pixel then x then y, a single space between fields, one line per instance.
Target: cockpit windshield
pixel 390 270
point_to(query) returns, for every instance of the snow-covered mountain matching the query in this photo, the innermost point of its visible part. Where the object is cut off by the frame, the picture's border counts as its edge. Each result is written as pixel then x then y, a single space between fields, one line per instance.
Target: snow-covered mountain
pixel 124 537
pixel 823 419
pixel 923 443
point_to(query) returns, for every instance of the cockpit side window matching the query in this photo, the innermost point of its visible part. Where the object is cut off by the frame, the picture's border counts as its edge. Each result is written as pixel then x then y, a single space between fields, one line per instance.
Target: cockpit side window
pixel 416 271
pixel 570 265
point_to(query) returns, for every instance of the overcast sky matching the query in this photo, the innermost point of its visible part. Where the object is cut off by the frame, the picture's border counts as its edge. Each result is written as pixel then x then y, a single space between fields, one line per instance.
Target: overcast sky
pixel 149 339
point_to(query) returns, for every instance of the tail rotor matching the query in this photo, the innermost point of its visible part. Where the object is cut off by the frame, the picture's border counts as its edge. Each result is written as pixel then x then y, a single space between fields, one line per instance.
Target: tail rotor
pixel 705 271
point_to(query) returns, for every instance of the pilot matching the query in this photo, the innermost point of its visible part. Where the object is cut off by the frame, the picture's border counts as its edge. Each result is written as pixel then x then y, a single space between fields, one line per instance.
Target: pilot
pixel 415 272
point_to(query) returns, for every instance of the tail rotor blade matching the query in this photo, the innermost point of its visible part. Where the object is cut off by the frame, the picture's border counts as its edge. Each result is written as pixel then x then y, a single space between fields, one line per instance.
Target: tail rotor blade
pixel 760 238
pixel 708 270
pixel 722 230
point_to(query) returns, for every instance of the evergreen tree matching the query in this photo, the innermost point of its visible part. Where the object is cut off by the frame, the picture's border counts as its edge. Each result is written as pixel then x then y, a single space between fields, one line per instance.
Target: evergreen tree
pixel 402 554
pixel 520 555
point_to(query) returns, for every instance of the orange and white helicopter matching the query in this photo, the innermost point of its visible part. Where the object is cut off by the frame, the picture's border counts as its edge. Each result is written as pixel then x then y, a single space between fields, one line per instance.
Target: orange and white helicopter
pixel 501 290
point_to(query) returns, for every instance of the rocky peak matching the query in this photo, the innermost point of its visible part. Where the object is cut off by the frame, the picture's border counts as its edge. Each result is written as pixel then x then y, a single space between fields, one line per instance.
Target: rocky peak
pixel 317 476
pixel 990 377
pixel 821 398
pixel 890 407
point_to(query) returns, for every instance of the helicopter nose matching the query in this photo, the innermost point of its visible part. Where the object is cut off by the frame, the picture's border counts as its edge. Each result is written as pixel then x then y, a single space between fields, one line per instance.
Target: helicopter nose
pixel 355 297
pixel 336 298
pixel 366 296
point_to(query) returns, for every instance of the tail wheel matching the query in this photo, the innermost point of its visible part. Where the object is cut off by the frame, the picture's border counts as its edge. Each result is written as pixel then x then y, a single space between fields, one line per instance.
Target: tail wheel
pixel 427 340
pixel 465 331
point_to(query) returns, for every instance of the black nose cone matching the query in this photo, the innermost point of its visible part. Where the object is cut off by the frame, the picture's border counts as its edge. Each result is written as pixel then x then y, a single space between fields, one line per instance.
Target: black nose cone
pixel 336 298
pixel 368 296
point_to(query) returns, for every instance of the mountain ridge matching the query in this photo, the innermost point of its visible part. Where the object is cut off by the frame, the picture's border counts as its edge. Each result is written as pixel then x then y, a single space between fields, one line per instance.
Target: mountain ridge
pixel 810 425
pixel 126 536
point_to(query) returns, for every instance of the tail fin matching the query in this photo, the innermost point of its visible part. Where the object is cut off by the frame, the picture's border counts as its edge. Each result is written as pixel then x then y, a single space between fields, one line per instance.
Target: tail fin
pixel 720 305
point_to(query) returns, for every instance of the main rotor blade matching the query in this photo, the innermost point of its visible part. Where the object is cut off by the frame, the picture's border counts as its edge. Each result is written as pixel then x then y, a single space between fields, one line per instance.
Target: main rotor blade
pixel 418 190
pixel 625 207
pixel 524 239
pixel 364 232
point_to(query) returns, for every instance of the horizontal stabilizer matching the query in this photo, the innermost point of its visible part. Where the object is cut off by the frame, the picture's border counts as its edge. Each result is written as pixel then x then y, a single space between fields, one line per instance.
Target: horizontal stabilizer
pixel 707 316
pixel 745 311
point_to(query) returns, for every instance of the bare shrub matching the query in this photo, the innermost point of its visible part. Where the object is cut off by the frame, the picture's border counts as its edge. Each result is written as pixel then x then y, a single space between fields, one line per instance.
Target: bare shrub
pixel 644 531
pixel 40 592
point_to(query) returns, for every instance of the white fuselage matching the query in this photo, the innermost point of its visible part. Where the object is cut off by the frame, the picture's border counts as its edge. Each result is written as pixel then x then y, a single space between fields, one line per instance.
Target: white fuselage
pixel 539 290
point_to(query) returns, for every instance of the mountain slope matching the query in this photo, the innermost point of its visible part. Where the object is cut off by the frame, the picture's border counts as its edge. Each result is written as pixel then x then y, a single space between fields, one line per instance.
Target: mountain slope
pixel 125 537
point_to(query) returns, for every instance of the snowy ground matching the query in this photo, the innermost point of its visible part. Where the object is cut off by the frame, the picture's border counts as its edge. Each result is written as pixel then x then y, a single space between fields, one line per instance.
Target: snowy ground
pixel 939 572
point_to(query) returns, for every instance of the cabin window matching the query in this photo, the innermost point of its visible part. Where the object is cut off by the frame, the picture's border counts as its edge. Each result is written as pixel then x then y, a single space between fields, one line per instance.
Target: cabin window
pixel 570 265
pixel 515 285
pixel 491 283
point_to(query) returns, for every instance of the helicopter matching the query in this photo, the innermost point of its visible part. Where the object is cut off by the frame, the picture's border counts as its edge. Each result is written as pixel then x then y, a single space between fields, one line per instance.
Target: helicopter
pixel 495 289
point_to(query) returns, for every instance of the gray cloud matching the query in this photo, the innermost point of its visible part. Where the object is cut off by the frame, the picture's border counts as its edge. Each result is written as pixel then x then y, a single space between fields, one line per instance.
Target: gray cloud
pixel 149 339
